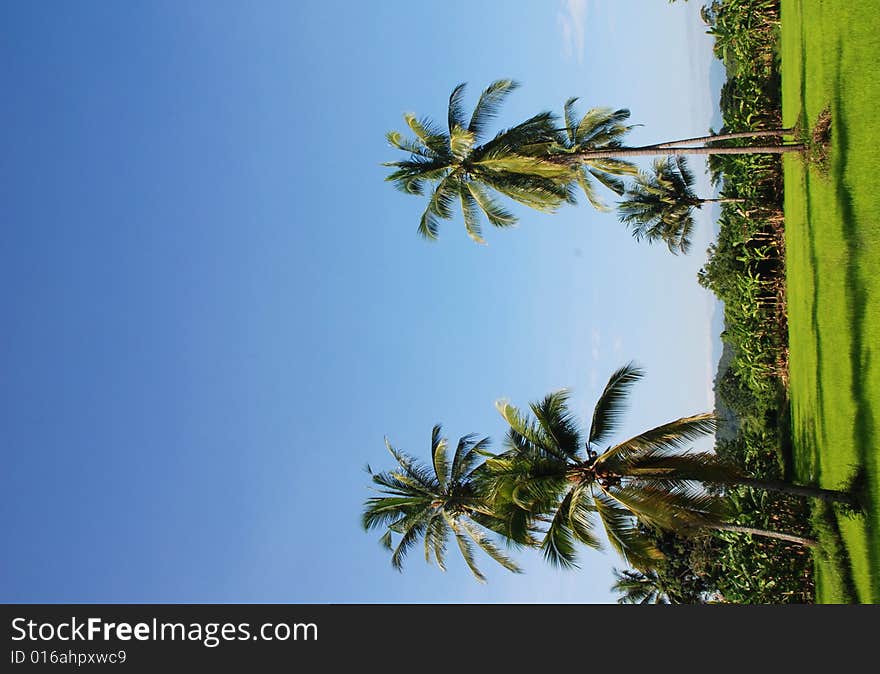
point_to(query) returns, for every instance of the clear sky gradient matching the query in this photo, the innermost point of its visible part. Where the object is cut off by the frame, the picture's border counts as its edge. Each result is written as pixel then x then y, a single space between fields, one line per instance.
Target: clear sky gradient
pixel 213 308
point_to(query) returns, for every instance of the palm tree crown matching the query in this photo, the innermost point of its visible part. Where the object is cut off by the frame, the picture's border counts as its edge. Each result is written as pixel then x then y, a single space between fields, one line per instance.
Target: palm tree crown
pixel 659 204
pixel 461 170
pixel 550 473
pixel 641 587
pixel 435 502
pixel 598 130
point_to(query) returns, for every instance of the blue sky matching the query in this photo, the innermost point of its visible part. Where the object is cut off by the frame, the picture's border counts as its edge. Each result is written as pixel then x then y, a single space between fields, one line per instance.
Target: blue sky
pixel 214 309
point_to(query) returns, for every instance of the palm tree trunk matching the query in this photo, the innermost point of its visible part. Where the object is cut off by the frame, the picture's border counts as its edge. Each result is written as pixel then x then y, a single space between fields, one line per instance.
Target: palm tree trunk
pixel 723 200
pixel 654 150
pixel 826 495
pixel 725 136
pixel 808 542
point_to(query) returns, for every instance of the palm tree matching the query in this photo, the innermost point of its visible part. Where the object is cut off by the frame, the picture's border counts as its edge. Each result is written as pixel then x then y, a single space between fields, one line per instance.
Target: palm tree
pixel 432 503
pixel 600 129
pixel 641 587
pixel 551 476
pixel 660 204
pixel 461 169
pixel 534 163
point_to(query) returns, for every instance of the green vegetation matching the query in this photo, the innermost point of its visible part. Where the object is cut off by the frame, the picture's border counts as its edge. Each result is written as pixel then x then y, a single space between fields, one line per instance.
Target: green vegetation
pixel 746 270
pixel 796 291
pixel 833 257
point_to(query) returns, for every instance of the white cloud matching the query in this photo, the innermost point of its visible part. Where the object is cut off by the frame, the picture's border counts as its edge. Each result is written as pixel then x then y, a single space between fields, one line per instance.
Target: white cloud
pixel 572 22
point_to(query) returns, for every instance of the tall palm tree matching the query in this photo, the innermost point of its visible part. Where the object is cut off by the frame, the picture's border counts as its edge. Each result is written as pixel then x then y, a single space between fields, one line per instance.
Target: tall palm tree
pixel 435 503
pixel 534 163
pixel 660 204
pixel 549 472
pixel 461 168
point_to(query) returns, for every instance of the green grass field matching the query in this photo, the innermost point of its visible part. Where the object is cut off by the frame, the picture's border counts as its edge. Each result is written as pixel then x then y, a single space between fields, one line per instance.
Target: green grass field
pixel 829 54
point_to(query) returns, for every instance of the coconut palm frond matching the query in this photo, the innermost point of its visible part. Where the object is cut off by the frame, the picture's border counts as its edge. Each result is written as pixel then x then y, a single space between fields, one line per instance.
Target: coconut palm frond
pixel 456 115
pixel 670 436
pixel 413 472
pixel 428 134
pixel 439 207
pixel 461 142
pixel 571 122
pixel 680 239
pixel 471 469
pixel 486 544
pixel 471 211
pixel 610 181
pixel 413 174
pixel 624 534
pixel 523 429
pixel 503 161
pixel 682 177
pixel 464 457
pixel 392 486
pixel 558 544
pixel 386 511
pixel 438 456
pixel 589 189
pixel 536 192
pixel 516 526
pixel 609 408
pixel 496 214
pixel 558 423
pixel 489 104
pixel 613 167
pixel 580 517
pixel 698 466
pixel 435 540
pixel 674 509
pixel 406 543
pixel 396 139
pixel 596 123
pixel 465 546
pixel 538 493
pixel 533 137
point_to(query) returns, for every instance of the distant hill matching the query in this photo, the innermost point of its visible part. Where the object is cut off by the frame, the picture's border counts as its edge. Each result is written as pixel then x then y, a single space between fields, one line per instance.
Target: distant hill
pixel 729 428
